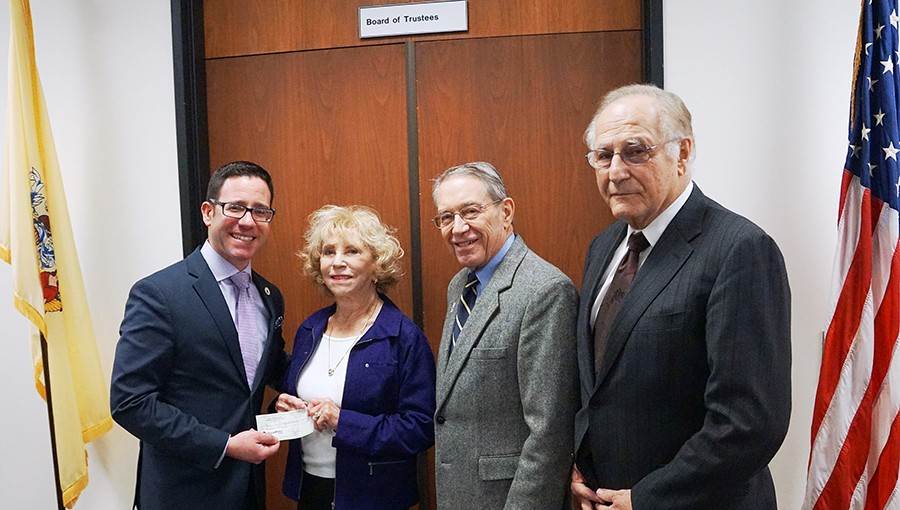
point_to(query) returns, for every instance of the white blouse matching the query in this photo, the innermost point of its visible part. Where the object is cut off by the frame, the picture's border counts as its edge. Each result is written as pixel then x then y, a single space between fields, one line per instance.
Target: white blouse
pixel 315 383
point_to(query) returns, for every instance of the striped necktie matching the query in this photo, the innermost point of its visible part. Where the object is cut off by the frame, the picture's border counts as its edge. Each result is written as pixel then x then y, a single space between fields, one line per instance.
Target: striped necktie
pixel 464 307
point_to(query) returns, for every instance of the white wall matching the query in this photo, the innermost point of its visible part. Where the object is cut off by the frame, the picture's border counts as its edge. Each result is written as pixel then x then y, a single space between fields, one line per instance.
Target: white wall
pixel 768 83
pixel 106 67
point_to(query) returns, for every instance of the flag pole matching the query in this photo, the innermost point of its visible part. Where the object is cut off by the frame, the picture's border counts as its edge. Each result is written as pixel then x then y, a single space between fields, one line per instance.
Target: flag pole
pixel 46 365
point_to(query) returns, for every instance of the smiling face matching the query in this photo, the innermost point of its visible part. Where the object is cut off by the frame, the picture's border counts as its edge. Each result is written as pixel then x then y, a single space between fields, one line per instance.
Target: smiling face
pixel 476 241
pixel 638 193
pixel 237 240
pixel 347 266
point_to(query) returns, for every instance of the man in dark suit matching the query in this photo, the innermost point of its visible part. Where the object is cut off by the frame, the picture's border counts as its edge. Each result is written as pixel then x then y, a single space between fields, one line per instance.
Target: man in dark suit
pixel 683 330
pixel 506 386
pixel 199 342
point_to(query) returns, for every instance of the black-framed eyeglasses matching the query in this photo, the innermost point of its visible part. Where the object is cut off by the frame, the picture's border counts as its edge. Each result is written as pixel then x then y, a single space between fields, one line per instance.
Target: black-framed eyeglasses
pixel 468 213
pixel 631 154
pixel 237 211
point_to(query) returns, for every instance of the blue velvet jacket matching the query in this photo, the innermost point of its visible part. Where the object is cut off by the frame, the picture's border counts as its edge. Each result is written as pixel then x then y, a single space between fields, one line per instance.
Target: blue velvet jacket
pixel 386 415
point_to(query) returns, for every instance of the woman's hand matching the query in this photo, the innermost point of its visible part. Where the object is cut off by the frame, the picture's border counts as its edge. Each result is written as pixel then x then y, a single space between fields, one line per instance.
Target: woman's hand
pixel 287 402
pixel 325 413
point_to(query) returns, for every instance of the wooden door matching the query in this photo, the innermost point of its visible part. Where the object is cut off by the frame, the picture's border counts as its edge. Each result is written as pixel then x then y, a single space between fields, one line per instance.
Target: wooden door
pixel 340 120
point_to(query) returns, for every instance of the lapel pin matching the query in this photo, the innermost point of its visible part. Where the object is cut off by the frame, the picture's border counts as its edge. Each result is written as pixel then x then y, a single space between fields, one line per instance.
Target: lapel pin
pixel 267 291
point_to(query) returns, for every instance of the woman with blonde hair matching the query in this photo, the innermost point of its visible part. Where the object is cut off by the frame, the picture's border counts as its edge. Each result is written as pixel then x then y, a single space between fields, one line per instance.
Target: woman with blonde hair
pixel 362 370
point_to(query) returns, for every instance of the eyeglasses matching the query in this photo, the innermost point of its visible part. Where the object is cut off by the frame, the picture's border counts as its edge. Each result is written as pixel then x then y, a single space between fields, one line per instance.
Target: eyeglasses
pixel 467 213
pixel 632 154
pixel 237 211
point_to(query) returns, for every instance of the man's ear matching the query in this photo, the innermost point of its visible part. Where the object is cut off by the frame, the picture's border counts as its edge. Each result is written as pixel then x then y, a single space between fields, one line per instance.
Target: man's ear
pixel 685 148
pixel 509 210
pixel 207 209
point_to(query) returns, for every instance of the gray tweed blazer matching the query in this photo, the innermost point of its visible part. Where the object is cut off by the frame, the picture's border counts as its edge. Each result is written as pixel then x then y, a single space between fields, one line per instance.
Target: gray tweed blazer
pixel 507 395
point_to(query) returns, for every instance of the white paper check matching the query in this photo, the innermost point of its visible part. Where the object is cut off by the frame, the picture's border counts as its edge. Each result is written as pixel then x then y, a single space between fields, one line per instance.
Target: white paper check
pixel 289 425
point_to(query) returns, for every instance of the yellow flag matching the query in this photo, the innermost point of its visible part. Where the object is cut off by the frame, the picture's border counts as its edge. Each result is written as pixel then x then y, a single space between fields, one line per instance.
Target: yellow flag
pixel 36 240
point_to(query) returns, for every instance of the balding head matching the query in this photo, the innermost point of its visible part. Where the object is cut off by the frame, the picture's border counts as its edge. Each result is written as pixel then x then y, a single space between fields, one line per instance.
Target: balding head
pixel 640 142
pixel 674 117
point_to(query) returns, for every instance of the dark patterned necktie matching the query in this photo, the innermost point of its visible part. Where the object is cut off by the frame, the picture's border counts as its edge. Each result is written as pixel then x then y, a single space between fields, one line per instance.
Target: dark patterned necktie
pixel 464 307
pixel 616 293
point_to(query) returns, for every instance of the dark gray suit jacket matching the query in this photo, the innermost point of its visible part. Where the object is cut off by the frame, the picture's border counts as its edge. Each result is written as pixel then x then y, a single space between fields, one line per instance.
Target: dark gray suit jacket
pixel 507 395
pixel 693 396
pixel 178 385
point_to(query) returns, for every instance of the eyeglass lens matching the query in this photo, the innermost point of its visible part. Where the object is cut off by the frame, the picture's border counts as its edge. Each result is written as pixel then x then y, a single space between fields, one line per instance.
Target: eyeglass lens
pixel 238 211
pixel 630 154
pixel 467 213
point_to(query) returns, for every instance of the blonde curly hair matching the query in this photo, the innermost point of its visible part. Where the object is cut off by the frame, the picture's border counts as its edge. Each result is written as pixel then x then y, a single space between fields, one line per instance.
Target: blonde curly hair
pixel 358 220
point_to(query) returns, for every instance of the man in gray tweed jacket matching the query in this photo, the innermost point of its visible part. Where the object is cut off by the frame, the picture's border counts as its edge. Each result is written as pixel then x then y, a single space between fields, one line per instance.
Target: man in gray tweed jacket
pixel 507 384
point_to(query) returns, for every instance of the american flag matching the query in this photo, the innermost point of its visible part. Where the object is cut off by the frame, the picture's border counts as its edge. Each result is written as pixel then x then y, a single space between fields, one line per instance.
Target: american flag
pixel 855 451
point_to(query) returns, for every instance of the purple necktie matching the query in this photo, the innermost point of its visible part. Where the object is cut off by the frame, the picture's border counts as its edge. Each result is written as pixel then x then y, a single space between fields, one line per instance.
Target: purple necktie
pixel 246 320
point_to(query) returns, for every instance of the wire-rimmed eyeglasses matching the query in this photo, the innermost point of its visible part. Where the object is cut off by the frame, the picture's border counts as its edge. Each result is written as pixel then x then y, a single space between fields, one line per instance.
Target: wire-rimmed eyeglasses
pixel 468 213
pixel 631 154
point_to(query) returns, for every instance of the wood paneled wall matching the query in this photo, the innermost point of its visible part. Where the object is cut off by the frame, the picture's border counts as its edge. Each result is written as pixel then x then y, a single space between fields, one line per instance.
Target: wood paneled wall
pixel 249 27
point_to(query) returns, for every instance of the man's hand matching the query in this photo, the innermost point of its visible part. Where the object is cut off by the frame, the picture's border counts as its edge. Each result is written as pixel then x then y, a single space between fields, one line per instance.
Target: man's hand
pixel 251 446
pixel 614 500
pixel 583 498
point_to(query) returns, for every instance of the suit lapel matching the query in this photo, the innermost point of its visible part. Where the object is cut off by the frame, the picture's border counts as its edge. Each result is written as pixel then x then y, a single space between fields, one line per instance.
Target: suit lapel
pixel 486 307
pixel 208 290
pixel 665 260
pixel 598 259
pixel 275 320
pixel 455 290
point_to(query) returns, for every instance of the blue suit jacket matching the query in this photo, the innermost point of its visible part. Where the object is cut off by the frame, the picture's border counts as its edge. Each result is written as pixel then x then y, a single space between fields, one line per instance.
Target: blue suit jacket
pixel 386 411
pixel 178 385
pixel 692 399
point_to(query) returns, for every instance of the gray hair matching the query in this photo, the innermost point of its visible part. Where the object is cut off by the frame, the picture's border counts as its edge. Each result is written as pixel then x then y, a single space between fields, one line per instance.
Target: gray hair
pixel 481 170
pixel 674 116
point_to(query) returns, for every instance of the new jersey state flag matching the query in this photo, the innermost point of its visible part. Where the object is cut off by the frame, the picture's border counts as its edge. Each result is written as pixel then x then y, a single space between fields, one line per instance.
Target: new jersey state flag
pixel 36 240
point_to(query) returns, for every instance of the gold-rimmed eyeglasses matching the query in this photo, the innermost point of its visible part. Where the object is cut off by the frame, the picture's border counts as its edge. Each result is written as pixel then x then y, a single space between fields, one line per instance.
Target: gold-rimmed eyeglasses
pixel 631 154
pixel 445 219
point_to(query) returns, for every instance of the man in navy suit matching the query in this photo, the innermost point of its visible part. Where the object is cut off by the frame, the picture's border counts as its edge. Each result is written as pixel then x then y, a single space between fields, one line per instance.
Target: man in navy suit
pixel 199 342
pixel 683 331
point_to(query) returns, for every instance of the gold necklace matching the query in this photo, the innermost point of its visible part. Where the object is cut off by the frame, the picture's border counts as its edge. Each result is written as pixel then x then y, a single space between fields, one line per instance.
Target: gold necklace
pixel 366 325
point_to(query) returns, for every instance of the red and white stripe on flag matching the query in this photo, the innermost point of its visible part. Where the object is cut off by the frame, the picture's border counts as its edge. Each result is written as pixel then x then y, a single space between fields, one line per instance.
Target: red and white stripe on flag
pixel 855 437
pixel 856 431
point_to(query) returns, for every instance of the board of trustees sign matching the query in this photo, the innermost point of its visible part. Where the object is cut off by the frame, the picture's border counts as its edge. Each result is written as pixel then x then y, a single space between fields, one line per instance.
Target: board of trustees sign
pixel 415 18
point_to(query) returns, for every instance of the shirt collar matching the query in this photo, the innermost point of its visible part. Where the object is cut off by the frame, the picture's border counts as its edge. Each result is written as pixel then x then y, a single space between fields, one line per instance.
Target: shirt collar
pixel 221 268
pixel 485 273
pixel 655 229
